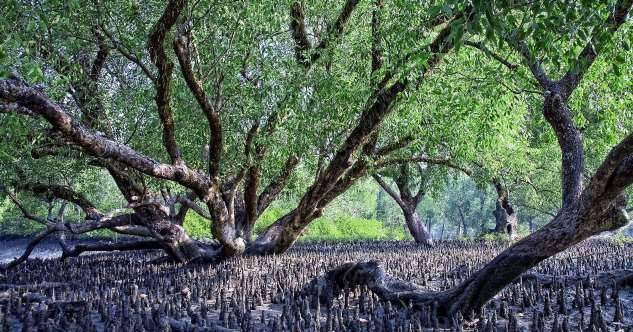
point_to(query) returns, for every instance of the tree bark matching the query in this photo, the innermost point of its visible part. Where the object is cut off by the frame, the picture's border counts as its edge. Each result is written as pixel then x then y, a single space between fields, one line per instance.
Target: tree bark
pixel 585 211
pixel 506 220
pixel 285 231
pixel 417 229
pixel 408 203
pixel 568 228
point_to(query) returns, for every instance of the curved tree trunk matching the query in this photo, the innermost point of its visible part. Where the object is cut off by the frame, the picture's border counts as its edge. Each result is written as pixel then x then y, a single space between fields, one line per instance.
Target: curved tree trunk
pixel 568 228
pixel 417 229
pixel 586 211
pixel 408 203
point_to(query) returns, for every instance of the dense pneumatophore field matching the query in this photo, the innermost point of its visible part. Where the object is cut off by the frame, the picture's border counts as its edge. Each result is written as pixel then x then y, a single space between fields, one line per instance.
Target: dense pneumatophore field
pixel 581 289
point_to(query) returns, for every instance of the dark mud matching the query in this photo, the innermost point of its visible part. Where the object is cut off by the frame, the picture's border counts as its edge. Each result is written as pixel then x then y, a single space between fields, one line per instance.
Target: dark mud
pixel 126 292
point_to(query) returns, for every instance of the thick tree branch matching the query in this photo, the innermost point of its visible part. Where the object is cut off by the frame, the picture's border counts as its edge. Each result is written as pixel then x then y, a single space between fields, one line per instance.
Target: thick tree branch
pixel 251 185
pixel 133 230
pixel 104 222
pixel 84 89
pixel 569 137
pixel 372 275
pixel 283 231
pixel 100 59
pixel 402 182
pixel 17 92
pixel 599 39
pixel 274 188
pixel 300 35
pixel 182 44
pixel 15 108
pixel 156 48
pixel 557 113
pixel 342 161
pixel 622 178
pixel 111 246
pixel 603 179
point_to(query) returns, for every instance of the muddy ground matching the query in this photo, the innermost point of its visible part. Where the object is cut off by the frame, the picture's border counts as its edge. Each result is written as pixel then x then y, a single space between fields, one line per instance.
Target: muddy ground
pixel 126 292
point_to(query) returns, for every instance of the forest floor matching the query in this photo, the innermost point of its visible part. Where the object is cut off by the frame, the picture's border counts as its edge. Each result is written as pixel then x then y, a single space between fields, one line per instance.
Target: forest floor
pixel 125 292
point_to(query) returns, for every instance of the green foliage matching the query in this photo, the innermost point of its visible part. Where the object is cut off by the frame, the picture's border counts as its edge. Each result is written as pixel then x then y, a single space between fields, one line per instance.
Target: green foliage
pixel 338 227
pixel 351 229
pixel 197 227
pixel 268 217
pixel 621 238
pixel 470 108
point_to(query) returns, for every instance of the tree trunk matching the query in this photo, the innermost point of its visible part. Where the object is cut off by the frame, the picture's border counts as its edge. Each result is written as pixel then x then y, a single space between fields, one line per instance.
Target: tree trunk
pixel 568 228
pixel 408 203
pixel 586 210
pixel 417 229
pixel 281 235
pixel 482 207
pixel 462 229
pixel 506 220
pixel 173 238
pixel 531 225
pixel 244 221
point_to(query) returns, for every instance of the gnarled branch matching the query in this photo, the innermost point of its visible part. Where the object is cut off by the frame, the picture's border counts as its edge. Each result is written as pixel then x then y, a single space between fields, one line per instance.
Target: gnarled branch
pixel 95 144
pixel 111 246
pixel 156 48
pixel 599 39
pixel 276 185
pixel 182 46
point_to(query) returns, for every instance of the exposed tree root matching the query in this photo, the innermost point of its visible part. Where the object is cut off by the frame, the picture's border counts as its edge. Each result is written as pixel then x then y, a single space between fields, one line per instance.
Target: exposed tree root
pixel 372 275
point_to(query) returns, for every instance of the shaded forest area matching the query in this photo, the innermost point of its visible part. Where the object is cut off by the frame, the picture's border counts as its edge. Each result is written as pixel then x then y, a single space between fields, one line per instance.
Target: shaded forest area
pixel 201 141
